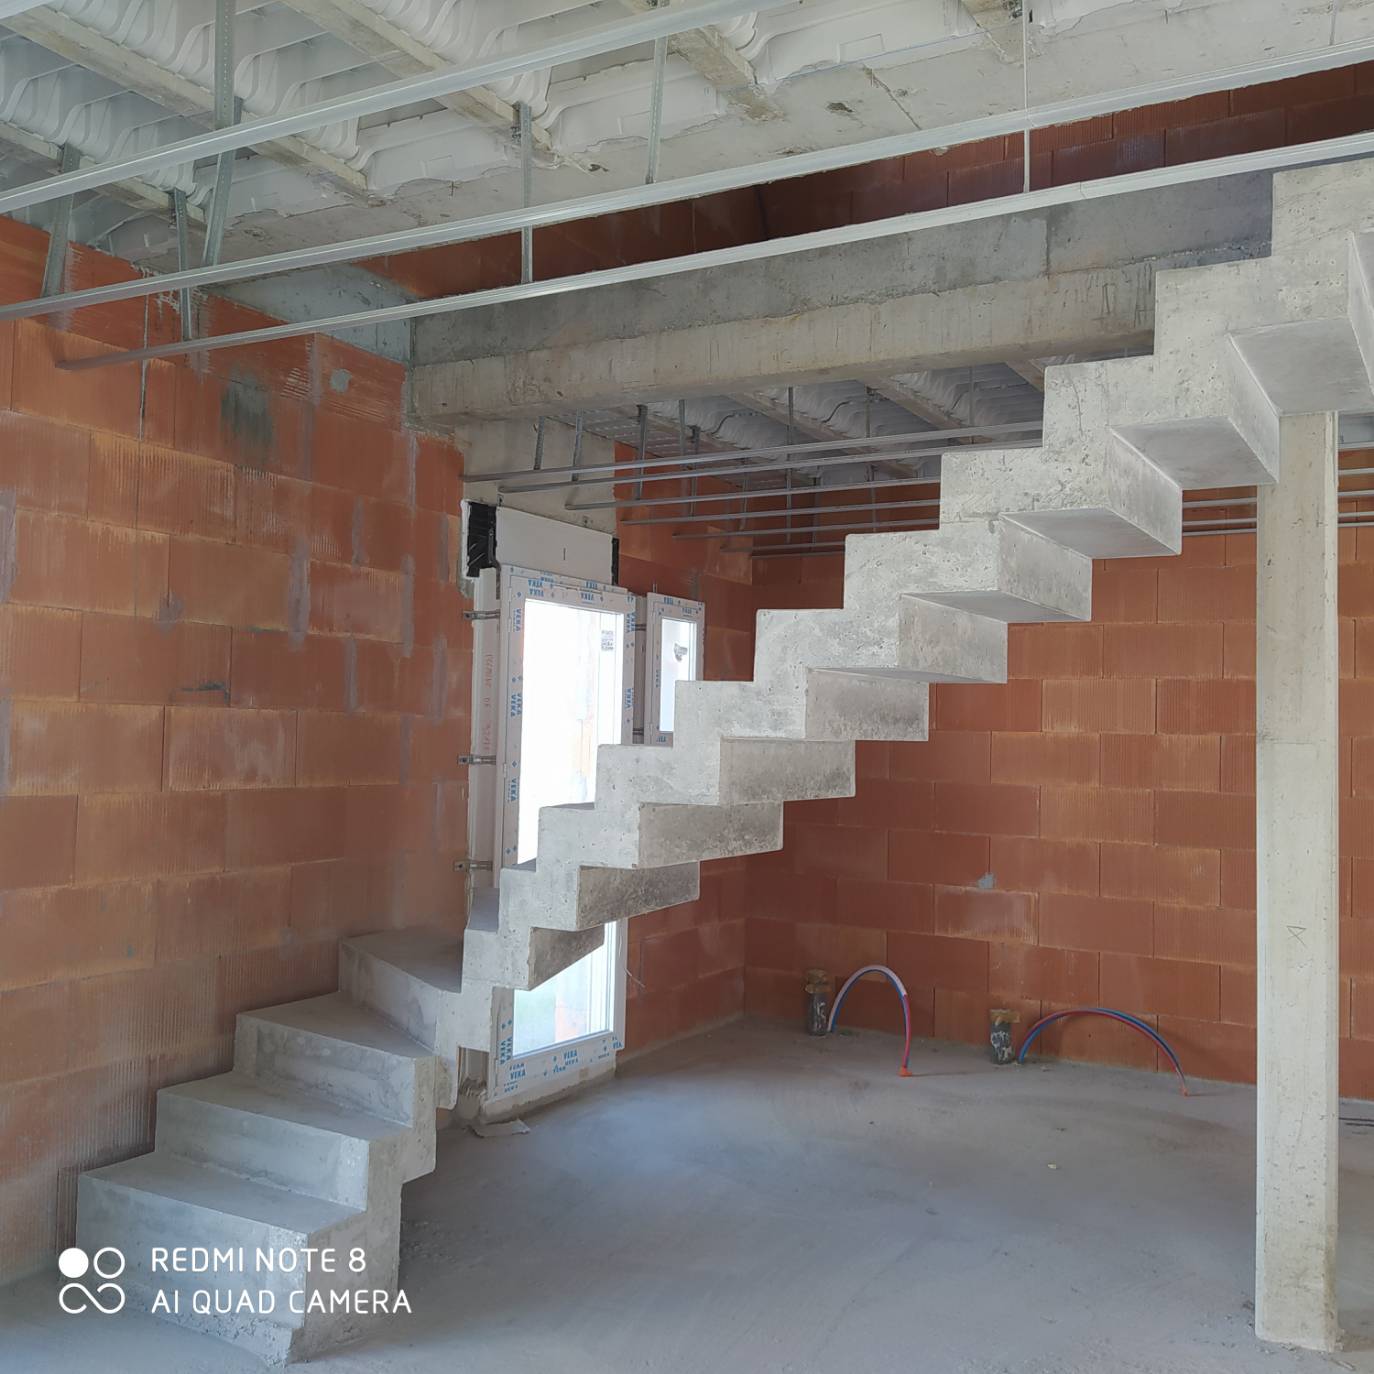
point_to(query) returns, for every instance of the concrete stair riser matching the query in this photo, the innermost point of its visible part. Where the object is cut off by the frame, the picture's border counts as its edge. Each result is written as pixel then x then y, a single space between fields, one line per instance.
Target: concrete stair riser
pixel 247 1138
pixel 378 1081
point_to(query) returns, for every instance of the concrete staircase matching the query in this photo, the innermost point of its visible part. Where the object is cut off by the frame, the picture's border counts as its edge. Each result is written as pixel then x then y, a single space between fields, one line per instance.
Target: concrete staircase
pixel 330 1107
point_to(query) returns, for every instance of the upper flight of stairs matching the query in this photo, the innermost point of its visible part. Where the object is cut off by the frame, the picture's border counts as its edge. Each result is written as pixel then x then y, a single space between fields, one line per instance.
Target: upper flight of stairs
pixel 331 1104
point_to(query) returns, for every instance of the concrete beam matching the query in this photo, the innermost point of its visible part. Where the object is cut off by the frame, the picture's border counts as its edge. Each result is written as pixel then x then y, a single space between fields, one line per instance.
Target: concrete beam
pixel 1097 310
pixel 720 63
pixel 54 30
pixel 1297 808
pixel 403 55
pixel 1073 279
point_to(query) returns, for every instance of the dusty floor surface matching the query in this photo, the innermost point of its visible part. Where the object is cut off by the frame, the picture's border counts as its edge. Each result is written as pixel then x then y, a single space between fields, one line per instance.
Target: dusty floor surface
pixel 752 1200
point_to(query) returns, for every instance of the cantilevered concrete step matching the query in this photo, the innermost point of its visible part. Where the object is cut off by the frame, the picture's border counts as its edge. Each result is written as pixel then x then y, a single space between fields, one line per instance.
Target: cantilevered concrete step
pixel 571 897
pixel 867 706
pixel 723 769
pixel 1320 364
pixel 288 1140
pixel 657 836
pixel 338 1050
pixel 160 1200
pixel 1087 488
pixel 512 954
pixel 746 710
pixel 996 569
pixel 917 639
pixel 774 770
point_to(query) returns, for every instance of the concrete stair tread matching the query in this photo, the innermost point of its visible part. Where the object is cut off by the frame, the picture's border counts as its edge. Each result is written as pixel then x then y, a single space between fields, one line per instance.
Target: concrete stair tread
pixel 240 1093
pixel 206 1188
pixel 337 1017
pixel 432 956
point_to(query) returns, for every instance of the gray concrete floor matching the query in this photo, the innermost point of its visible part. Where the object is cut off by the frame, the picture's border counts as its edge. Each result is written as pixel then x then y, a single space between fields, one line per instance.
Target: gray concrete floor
pixel 752 1200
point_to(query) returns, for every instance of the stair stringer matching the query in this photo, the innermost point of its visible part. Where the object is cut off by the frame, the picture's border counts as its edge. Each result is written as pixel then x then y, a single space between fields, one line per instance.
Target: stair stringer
pixel 331 1104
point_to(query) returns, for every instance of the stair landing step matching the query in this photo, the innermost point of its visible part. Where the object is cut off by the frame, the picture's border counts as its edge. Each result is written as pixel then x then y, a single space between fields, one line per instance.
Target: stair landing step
pixel 214 1190
pixel 431 956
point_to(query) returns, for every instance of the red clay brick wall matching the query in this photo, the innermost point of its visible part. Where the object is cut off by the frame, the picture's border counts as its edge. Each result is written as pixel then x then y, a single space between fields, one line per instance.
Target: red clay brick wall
pixel 1083 834
pixel 629 236
pixel 686 964
pixel 233 685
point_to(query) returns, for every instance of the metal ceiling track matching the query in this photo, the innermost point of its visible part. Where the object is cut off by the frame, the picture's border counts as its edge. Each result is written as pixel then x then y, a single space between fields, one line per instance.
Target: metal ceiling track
pixel 1246 524
pixel 793 552
pixel 1206 526
pixel 630 467
pixel 781 513
pixel 745 494
pixel 721 517
pixel 1351 522
pixel 806 463
pixel 1325 150
pixel 660 193
pixel 911 523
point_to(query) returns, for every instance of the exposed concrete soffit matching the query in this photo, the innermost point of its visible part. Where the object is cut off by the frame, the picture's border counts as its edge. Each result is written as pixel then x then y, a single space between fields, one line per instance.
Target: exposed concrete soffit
pixel 1000 20
pixel 59 33
pixel 803 420
pixel 776 409
pixel 720 63
pixel 925 408
pixel 402 55
pixel 1031 370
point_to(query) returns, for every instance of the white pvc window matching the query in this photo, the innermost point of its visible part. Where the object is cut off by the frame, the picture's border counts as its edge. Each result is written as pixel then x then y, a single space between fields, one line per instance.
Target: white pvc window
pixel 580 1002
pixel 567 650
pixel 674 639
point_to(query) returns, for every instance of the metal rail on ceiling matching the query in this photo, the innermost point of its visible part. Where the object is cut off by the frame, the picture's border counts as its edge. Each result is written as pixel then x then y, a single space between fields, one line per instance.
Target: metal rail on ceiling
pixel 805 463
pixel 1345 522
pixel 624 33
pixel 780 512
pixel 1324 150
pixel 860 527
pixel 905 483
pixel 629 467
pixel 745 494
pixel 1217 526
pixel 679 188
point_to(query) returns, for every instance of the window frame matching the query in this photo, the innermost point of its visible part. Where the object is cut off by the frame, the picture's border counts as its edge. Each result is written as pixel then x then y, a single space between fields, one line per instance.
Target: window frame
pixel 518 1081
pixel 659 608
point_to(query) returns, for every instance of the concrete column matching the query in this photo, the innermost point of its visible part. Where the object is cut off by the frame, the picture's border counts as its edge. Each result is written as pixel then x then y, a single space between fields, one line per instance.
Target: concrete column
pixel 1298 887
